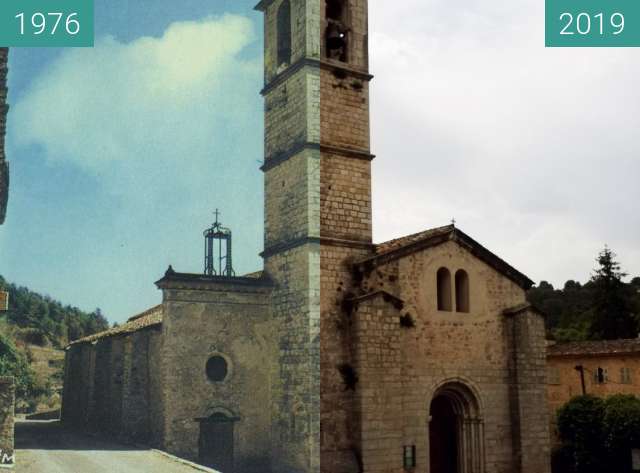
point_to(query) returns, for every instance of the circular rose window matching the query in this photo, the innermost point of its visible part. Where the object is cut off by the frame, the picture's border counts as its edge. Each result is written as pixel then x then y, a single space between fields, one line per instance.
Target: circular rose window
pixel 217 368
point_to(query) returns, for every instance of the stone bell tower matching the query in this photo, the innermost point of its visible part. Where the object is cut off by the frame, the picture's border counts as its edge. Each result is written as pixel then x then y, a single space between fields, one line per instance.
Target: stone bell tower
pixel 345 187
pixel 292 226
pixel 317 219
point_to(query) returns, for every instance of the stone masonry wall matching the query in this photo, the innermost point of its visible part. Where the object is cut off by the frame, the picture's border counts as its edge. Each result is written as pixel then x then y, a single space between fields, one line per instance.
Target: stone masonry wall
pixel 7 409
pixel 296 370
pixel 304 40
pixel 345 219
pixel 472 349
pixel 292 230
pixel 4 109
pixel 231 320
pixel 529 353
pixel 111 386
pixel 563 381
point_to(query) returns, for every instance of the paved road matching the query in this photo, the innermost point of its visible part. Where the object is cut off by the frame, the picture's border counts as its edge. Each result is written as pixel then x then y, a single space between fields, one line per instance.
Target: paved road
pixel 45 447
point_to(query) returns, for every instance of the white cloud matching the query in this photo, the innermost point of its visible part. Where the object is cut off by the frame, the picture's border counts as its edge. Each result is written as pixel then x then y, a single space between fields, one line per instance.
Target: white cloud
pixel 533 150
pixel 162 125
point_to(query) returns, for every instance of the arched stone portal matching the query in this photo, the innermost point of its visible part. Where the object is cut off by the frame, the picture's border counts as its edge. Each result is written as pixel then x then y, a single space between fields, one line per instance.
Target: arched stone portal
pixel 215 444
pixel 456 431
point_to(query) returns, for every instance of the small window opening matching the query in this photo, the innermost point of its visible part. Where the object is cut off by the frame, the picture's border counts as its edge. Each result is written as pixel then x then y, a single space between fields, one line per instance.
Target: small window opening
pixel 625 375
pixel 284 34
pixel 444 289
pixel 336 31
pixel 462 291
pixel 601 376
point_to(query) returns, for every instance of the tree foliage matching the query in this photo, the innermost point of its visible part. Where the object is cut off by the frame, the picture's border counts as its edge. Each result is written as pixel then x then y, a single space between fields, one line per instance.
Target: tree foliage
pixel 14 363
pixel 598 434
pixel 603 308
pixel 41 319
pixel 613 315
pixel 581 431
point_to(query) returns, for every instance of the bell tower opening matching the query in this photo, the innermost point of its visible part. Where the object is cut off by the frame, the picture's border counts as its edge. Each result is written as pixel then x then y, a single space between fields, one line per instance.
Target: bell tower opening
pixel 336 30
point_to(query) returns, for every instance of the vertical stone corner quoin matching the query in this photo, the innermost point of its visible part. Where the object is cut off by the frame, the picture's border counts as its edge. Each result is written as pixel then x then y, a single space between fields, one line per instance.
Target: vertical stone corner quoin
pixel 4 109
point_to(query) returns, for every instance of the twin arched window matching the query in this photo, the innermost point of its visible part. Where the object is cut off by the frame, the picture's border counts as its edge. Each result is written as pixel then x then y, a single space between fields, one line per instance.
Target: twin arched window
pixel 445 299
pixel 284 33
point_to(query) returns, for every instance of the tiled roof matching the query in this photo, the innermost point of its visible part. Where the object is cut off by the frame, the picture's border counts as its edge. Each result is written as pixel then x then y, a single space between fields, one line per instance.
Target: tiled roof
pixel 146 319
pixel 400 247
pixel 594 348
pixel 391 245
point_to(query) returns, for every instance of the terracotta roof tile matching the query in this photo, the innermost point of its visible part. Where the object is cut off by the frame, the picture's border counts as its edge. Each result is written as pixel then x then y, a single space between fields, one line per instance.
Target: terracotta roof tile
pixel 397 243
pixel 593 348
pixel 400 247
pixel 143 320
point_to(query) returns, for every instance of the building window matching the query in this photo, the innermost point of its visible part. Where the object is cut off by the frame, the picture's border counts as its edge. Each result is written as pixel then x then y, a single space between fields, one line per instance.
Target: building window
pixel 217 368
pixel 284 33
pixel 444 289
pixel 462 291
pixel 600 375
pixel 336 31
pixel 553 376
pixel 625 375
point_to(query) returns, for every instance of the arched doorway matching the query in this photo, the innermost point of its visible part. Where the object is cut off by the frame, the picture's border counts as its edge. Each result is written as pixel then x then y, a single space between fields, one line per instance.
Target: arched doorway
pixel 456 433
pixel 215 444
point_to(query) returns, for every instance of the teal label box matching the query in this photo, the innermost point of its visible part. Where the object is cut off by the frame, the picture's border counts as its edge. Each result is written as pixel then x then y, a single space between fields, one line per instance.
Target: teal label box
pixel 46 23
pixel 592 23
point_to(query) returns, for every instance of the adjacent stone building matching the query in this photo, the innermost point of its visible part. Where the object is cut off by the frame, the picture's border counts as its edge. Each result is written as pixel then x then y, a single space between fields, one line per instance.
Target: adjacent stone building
pixel 341 356
pixel 606 367
pixel 4 109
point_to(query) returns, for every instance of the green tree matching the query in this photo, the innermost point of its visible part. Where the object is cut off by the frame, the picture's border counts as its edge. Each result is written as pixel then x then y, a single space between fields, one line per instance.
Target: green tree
pixel 13 363
pixel 621 429
pixel 580 425
pixel 612 312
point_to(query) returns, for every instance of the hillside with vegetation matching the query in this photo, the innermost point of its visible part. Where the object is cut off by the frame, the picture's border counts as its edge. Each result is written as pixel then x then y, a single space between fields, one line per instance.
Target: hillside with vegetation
pixel 33 332
pixel 605 307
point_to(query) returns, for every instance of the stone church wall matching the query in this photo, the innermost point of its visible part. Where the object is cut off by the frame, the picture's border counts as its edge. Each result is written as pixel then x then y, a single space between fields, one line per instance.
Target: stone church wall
pixel 529 360
pixel 473 349
pixel 230 319
pixel 110 387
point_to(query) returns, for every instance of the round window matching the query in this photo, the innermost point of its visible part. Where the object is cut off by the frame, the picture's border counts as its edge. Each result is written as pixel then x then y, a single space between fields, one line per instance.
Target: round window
pixel 217 368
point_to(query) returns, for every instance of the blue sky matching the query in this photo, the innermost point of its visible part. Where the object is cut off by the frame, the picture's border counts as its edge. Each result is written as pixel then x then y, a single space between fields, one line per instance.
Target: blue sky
pixel 120 153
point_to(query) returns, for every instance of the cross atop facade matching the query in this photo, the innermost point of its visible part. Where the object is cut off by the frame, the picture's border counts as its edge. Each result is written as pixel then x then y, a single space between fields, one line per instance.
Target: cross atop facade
pixel 453 221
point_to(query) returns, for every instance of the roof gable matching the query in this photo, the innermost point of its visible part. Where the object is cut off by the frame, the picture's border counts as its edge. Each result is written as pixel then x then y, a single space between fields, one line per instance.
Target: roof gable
pixel 401 247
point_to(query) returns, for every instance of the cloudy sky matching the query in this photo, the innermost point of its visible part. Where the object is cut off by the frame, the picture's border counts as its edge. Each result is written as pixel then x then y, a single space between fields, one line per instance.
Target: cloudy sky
pixel 120 153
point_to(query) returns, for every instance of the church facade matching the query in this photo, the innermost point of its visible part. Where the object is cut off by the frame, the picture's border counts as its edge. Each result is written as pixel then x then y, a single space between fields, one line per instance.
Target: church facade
pixel 341 355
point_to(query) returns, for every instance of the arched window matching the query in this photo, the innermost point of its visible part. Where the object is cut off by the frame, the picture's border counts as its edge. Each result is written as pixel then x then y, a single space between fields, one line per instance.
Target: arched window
pixel 336 30
pixel 462 291
pixel 444 289
pixel 284 33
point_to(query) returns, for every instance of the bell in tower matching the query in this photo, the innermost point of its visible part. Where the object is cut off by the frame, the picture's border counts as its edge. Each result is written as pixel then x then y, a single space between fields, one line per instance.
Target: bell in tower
pixel 336 30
